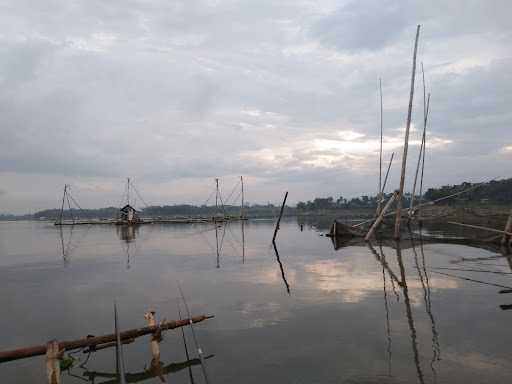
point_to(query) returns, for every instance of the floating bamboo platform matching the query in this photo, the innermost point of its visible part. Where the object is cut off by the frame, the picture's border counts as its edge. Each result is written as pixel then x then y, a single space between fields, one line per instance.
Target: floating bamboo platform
pixel 179 220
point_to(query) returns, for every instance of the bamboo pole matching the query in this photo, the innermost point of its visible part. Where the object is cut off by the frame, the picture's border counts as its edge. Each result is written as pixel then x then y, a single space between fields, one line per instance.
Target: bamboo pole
pixel 426 104
pixel 433 202
pixel 406 140
pixel 53 356
pixel 508 228
pixel 38 350
pixel 280 215
pixel 381 216
pixel 242 204
pixel 380 152
pixel 505 233
pixel 156 365
pixel 384 185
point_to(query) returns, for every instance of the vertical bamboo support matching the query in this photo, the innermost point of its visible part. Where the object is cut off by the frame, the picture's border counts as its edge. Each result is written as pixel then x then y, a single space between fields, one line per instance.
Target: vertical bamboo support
pixel 216 196
pixel 508 228
pixel 379 195
pixel 156 365
pixel 422 148
pixel 425 117
pixel 381 216
pixel 62 206
pixel 279 218
pixel 406 141
pixel 242 204
pixel 53 356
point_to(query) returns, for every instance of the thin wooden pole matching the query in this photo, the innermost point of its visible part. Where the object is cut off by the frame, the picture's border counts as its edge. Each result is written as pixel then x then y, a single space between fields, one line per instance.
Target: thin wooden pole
pixel 62 206
pixel 216 196
pixel 384 185
pixel 505 233
pixel 280 215
pixel 425 116
pixel 508 228
pixel 242 205
pixel 406 140
pixel 379 195
pixel 411 205
pixel 381 216
pixel 381 125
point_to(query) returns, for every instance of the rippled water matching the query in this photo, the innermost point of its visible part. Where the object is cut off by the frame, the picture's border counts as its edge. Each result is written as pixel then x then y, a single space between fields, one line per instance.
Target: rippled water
pixel 359 314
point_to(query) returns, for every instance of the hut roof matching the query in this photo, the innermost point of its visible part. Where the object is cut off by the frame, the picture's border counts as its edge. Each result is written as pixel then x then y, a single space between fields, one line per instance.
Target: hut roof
pixel 128 208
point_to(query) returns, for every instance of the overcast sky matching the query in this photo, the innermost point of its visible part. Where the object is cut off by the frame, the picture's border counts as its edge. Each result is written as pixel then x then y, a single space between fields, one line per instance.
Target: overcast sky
pixel 176 93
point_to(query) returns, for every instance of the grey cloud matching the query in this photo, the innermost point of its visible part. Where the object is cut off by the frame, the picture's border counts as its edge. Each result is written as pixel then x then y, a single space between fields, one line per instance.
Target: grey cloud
pixel 182 91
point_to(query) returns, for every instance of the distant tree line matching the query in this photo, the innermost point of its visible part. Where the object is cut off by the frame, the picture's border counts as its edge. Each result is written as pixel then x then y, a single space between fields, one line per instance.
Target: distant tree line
pixel 165 211
pixel 493 192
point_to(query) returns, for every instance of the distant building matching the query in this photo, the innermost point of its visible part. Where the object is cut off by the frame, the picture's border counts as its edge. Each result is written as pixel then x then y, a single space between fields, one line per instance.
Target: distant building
pixel 128 214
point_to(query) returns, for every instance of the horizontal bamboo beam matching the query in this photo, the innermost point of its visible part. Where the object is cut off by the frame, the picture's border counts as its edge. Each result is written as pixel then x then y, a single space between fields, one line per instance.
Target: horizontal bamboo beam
pixel 480 227
pixel 37 350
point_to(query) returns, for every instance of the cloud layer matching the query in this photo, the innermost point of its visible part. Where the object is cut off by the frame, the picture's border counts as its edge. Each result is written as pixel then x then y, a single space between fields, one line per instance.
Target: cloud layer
pixel 285 93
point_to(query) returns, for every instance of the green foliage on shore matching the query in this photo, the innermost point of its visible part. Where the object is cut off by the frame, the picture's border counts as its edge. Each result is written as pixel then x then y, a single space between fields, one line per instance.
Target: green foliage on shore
pixel 493 192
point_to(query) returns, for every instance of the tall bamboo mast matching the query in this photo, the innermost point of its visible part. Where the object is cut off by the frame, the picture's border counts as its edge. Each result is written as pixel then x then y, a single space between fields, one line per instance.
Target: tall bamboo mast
pixel 406 141
pixel 426 104
pixel 63 200
pixel 242 205
pixel 379 195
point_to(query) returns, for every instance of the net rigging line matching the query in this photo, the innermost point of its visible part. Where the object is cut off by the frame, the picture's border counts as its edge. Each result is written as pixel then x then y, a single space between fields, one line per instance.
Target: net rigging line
pixel 209 198
pixel 233 191
pixel 140 197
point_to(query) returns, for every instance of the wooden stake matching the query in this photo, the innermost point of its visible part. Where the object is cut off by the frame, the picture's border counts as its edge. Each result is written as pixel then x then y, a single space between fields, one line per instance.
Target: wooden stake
pixel 156 365
pixel 406 141
pixel 381 216
pixel 53 356
pixel 280 215
pixel 508 228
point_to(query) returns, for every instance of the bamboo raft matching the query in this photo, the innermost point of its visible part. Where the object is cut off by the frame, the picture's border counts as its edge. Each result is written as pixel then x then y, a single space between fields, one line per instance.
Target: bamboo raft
pixel 184 220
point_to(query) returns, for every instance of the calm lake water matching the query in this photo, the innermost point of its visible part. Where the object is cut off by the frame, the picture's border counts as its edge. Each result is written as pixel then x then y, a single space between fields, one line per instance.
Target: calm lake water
pixel 428 314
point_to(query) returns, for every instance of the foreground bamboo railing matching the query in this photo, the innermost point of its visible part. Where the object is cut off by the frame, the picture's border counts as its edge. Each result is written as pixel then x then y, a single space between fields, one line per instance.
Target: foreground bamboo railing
pixel 94 341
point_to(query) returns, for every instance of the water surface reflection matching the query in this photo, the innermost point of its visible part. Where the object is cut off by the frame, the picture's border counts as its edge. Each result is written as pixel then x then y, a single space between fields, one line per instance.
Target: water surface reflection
pixel 300 311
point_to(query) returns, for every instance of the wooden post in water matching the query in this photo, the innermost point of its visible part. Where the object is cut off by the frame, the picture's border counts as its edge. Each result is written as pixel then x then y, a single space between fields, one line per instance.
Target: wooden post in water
pixel 505 240
pixel 381 216
pixel 406 140
pixel 156 365
pixel 53 356
pixel 279 218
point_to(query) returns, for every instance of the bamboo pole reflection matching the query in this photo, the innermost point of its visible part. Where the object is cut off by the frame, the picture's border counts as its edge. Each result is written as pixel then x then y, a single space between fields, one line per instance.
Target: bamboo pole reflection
pixel 141 376
pixel 283 275
pixel 386 307
pixel 425 285
pixel 128 234
pixel 408 311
